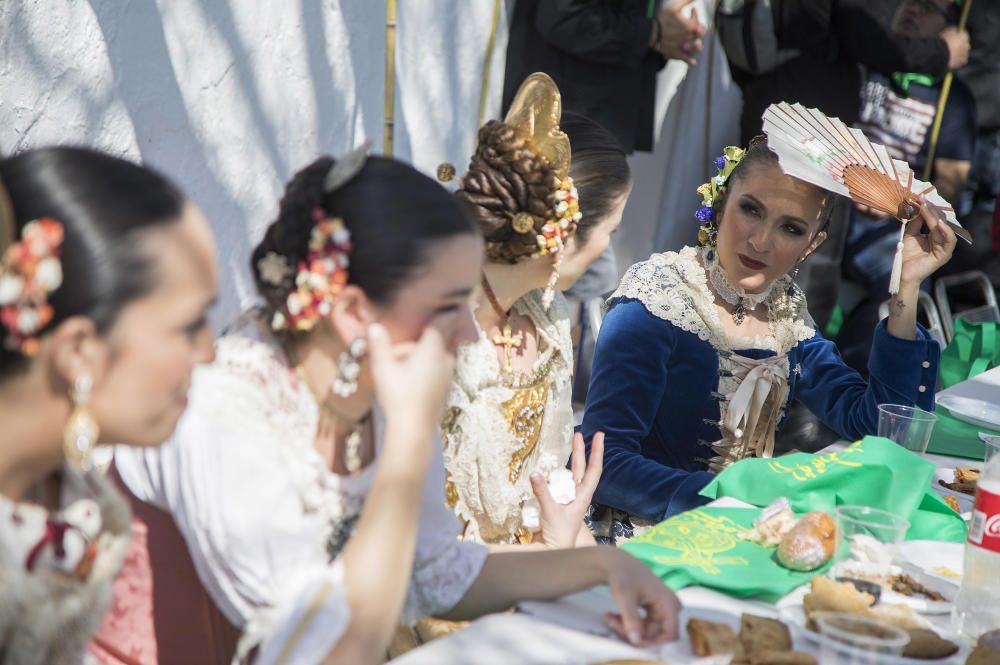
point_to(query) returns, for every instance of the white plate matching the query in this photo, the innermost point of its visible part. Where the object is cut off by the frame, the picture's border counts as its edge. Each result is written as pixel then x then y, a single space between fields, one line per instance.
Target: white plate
pixel 795 617
pixel 973 411
pixel 931 556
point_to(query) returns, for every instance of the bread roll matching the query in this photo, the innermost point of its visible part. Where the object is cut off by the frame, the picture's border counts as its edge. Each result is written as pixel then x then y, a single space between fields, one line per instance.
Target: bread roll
pixel 809 544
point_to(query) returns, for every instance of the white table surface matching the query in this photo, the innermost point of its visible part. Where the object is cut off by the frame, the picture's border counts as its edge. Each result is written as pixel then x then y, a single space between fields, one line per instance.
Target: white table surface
pixel 573 632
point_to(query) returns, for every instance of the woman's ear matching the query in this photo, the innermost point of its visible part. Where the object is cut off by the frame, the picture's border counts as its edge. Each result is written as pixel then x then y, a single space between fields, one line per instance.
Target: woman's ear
pixel 351 313
pixel 76 349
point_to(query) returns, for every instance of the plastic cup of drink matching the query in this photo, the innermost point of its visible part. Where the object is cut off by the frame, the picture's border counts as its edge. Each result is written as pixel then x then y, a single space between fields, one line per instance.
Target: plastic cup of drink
pixel 849 639
pixel 867 542
pixel 992 442
pixel 909 426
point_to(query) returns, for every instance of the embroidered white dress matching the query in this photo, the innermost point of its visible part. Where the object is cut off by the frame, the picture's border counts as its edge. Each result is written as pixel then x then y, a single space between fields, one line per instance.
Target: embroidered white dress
pixel 56 570
pixel 498 431
pixel 264 518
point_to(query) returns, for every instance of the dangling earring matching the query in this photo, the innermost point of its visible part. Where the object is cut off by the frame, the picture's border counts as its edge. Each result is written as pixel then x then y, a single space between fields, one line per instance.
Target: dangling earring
pixel 80 434
pixel 550 288
pixel 792 287
pixel 349 368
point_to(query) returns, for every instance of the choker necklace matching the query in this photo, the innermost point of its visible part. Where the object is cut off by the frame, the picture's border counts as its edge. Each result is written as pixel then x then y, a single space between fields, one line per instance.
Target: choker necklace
pixel 506 339
pixel 741 301
pixel 352 447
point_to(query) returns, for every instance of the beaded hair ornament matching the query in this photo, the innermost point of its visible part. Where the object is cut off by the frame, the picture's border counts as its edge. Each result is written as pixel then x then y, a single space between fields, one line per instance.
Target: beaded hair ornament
pixel 30 270
pixel 535 114
pixel 321 276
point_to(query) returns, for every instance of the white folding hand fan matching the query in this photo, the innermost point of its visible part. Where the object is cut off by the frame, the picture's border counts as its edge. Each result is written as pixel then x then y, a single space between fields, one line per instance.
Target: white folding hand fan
pixel 827 153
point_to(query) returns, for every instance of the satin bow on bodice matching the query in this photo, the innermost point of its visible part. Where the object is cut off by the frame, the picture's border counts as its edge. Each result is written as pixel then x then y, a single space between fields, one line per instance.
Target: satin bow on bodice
pixel 750 415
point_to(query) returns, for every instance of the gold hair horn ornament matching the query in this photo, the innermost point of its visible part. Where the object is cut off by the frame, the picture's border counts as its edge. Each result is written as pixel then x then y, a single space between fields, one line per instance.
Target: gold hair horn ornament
pixel 535 113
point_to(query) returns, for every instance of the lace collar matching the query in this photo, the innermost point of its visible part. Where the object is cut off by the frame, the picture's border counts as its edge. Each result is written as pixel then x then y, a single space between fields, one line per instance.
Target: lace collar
pixel 673 286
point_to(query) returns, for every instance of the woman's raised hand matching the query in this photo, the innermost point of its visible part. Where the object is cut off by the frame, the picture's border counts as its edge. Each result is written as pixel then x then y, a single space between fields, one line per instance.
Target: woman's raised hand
pixel 561 523
pixel 923 254
pixel 411 379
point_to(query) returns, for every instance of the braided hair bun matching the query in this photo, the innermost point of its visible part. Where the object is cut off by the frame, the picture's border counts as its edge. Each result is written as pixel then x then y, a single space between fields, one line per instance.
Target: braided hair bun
pixel 507 184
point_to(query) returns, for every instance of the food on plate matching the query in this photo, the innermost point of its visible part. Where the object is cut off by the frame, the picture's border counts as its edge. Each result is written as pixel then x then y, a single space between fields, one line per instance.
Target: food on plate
pixel 709 638
pixel 760 634
pixel 771 525
pixel 965 481
pixel 952 503
pixel 899 616
pixel 987 651
pixel 906 585
pixel 827 595
pixel 925 644
pixel 782 658
pixel 945 571
pixel 809 544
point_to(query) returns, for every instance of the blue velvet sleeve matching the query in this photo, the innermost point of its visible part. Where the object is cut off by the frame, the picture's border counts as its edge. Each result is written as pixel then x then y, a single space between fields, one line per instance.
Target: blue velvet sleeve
pixel 900 372
pixel 627 384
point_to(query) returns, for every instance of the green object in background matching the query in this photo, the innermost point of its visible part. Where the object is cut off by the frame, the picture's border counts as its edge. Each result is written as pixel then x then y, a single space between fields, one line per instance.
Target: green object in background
pixel 873 472
pixel 701 547
pixel 835 323
pixel 953 437
pixel 973 349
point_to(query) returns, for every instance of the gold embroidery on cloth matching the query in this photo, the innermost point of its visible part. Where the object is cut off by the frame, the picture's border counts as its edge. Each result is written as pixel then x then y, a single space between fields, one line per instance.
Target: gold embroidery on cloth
pixel 699 539
pixel 524 413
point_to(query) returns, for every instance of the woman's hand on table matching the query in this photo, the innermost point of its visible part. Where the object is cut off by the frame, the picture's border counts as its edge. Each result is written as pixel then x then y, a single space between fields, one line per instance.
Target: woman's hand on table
pixel 647 610
pixel 561 524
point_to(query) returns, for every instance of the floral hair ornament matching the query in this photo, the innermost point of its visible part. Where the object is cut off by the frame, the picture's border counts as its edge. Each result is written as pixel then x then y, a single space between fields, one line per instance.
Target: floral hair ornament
pixel 710 192
pixel 535 114
pixel 30 270
pixel 324 272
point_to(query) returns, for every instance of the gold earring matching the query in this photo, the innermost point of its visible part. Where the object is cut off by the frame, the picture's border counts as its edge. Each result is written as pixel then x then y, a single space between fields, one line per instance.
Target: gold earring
pixel 80 434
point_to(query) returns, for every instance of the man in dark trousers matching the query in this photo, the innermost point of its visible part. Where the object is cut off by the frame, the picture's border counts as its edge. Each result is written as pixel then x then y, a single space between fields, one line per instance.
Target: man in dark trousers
pixel 603 55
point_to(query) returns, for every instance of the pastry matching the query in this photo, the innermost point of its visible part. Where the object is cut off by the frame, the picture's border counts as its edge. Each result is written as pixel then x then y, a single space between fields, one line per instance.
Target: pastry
pixel 830 596
pixel 899 616
pixel 925 644
pixel 759 634
pixel 965 481
pixel 783 658
pixel 984 654
pixel 908 586
pixel 771 525
pixel 709 638
pixel 809 544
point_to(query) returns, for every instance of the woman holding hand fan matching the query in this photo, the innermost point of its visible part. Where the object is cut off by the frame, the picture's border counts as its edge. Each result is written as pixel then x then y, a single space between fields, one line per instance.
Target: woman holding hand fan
pixel 703 349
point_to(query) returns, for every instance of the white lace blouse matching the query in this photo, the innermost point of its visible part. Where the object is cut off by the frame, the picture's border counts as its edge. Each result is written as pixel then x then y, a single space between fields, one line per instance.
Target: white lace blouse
pixel 264 518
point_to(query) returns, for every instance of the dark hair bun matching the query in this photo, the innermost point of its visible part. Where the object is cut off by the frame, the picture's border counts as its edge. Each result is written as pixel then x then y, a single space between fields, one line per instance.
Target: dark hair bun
pixel 507 176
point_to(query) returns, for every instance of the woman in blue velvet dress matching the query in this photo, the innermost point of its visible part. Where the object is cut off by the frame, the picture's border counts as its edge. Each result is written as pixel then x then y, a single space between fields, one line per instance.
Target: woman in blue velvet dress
pixel 702 349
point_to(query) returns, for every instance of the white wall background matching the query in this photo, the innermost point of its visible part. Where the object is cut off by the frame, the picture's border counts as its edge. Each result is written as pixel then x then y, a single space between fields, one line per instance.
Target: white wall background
pixel 231 97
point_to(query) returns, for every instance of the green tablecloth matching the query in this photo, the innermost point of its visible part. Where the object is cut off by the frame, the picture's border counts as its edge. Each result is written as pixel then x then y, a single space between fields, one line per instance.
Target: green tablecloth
pixel 955 438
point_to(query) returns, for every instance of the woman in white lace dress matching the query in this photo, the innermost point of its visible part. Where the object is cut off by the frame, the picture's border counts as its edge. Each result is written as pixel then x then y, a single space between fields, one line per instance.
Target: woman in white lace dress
pixel 98 337
pixel 509 422
pixel 306 478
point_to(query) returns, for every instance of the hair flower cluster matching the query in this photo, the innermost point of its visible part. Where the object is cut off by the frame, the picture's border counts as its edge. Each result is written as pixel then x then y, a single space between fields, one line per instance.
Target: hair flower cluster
pixel 566 216
pixel 319 278
pixel 30 270
pixel 710 191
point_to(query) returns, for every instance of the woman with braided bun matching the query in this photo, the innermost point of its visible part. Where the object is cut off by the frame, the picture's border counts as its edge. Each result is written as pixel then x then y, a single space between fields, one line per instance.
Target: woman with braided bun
pixel 508 431
pixel 306 478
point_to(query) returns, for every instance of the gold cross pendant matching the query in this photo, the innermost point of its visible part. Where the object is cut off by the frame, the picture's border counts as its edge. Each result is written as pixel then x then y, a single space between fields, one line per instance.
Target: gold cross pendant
pixel 509 342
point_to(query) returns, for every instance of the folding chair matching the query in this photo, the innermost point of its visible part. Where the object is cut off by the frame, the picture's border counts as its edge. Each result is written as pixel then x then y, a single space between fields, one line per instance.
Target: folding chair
pixel 974 279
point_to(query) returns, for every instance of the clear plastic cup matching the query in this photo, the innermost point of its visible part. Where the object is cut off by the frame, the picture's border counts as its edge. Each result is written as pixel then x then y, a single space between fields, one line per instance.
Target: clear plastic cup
pixel 992 442
pixel 867 542
pixel 909 426
pixel 849 639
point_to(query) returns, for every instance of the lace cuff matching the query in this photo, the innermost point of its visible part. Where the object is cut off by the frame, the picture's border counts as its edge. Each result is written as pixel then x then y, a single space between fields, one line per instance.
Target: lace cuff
pixel 442 580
